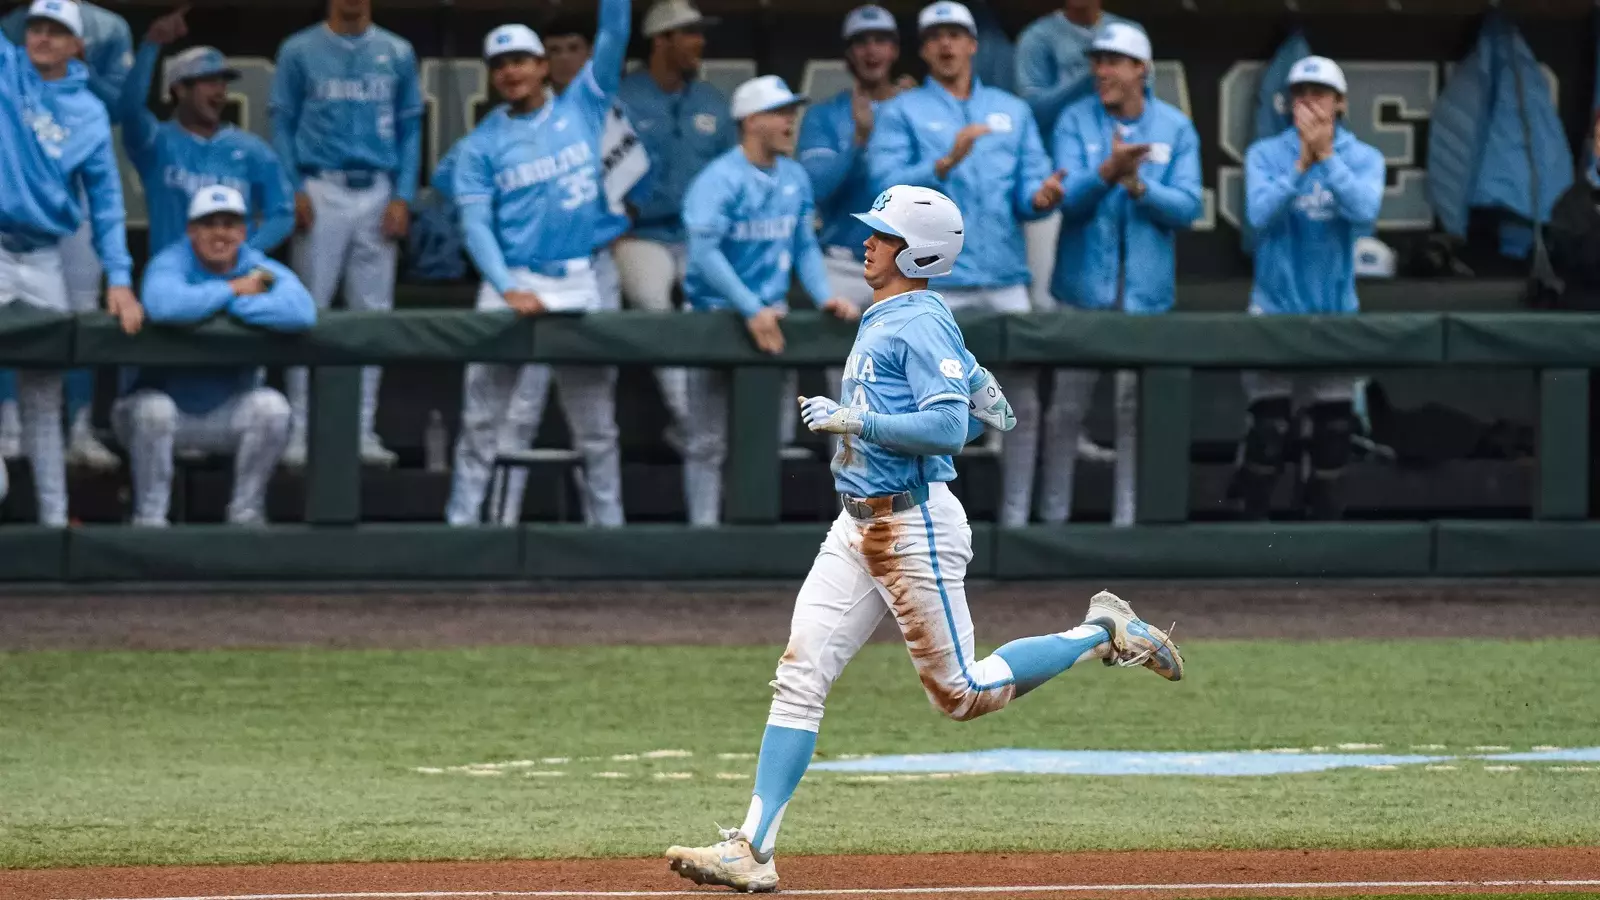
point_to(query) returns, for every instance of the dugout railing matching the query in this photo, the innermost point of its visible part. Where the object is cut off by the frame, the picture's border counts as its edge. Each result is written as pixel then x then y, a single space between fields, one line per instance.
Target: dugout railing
pixel 333 543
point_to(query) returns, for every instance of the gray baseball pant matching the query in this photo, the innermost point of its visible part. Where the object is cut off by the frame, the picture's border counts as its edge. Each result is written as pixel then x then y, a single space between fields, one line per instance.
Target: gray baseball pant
pixel 36 278
pixel 1070 398
pixel 646 272
pixel 707 442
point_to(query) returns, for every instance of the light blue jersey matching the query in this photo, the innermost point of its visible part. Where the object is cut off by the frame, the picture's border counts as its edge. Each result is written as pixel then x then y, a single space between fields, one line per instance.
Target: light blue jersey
pixel 682 132
pixel 909 356
pixel 749 233
pixel 175 163
pixel 1053 67
pixel 838 169
pixel 529 187
pixel 178 290
pixel 55 136
pixel 348 104
pixel 107 47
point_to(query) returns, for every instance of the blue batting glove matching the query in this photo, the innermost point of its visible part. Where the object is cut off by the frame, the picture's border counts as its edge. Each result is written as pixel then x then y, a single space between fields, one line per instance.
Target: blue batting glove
pixel 822 414
pixel 987 403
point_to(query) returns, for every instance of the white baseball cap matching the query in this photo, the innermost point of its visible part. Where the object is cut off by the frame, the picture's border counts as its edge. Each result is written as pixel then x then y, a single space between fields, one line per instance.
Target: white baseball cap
pixel 65 12
pixel 764 94
pixel 1122 39
pixel 218 198
pixel 1318 70
pixel 512 39
pixel 928 221
pixel 1373 258
pixel 869 20
pixel 946 12
pixel 672 15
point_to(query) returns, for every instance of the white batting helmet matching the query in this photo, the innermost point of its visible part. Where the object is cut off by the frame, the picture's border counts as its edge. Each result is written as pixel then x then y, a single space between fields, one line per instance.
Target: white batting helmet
pixel 929 223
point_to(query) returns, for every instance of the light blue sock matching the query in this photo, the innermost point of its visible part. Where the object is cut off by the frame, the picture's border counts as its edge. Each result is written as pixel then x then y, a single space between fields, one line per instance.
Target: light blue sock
pixel 1035 660
pixel 77 386
pixel 785 754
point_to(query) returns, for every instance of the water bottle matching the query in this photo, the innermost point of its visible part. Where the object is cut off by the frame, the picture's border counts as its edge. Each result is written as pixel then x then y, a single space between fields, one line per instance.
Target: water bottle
pixel 434 443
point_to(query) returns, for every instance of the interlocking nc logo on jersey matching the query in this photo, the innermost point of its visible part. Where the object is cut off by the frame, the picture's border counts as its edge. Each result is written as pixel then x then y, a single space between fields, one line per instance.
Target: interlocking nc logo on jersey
pixel 883 201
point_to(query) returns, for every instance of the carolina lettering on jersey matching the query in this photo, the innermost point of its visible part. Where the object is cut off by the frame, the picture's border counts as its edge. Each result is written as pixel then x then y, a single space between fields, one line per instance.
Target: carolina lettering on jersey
pixel 371 89
pixel 858 367
pixel 544 168
pixel 191 182
pixel 780 228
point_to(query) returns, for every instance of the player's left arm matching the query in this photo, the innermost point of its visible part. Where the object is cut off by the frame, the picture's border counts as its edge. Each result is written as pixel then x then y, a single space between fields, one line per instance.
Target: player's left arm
pixel 110 63
pixel 892 150
pixel 103 184
pixel 1033 170
pixel 408 122
pixel 286 306
pixel 273 196
pixel 1176 200
pixel 986 402
pixel 1356 182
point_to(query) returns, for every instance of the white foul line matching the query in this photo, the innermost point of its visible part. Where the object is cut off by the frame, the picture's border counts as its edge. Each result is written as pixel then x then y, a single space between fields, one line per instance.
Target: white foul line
pixel 976 889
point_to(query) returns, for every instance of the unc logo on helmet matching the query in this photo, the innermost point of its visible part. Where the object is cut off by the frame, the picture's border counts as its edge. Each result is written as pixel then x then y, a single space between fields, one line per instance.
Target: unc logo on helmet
pixel 881 202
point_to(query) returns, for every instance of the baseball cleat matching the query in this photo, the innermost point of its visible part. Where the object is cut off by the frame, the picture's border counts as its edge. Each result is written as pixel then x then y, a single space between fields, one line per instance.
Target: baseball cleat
pixel 1134 642
pixel 294 455
pixel 730 863
pixel 374 453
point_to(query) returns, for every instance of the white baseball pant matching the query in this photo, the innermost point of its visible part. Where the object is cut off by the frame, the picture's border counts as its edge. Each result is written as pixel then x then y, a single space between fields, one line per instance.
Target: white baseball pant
pixel 345 240
pixel 1070 399
pixel 1042 237
pixel 35 277
pixel 588 395
pixel 646 272
pixel 912 563
pixel 252 425
pixel 706 444
pixel 1019 447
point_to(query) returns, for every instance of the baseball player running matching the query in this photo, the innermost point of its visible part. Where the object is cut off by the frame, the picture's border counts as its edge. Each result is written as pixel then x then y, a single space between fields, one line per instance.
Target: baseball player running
pixel 902 541
pixel 195 149
pixel 527 181
pixel 108 55
pixel 347 123
pixel 209 272
pixel 748 215
pixel 55 135
pixel 981 144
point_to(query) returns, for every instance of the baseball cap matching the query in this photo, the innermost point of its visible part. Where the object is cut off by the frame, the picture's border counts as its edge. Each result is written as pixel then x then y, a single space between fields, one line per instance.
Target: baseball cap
pixel 512 39
pixel 1318 70
pixel 1122 39
pixel 1373 258
pixel 764 94
pixel 673 15
pixel 65 12
pixel 216 199
pixel 198 62
pixel 868 20
pixel 946 12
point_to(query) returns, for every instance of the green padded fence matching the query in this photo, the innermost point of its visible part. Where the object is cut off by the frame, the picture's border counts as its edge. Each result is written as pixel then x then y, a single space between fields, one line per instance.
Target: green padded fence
pixel 1165 350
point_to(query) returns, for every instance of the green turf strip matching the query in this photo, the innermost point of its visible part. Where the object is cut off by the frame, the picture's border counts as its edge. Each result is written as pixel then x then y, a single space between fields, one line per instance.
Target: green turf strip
pixel 256 756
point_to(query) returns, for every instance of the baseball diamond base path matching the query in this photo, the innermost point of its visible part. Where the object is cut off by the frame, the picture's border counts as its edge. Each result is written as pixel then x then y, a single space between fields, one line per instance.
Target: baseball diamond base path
pixel 1081 875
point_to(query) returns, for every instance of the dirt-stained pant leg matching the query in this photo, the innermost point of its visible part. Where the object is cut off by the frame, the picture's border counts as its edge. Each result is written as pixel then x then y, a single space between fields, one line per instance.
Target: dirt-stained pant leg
pixel 919 560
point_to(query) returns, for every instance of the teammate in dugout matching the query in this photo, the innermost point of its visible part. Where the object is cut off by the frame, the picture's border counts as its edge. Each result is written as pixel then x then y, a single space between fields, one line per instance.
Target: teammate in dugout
pixel 211 271
pixel 982 146
pixel 902 542
pixel 195 149
pixel 108 55
pixel 55 135
pixel 749 219
pixel 347 122
pixel 528 180
pixel 1310 192
pixel 1135 181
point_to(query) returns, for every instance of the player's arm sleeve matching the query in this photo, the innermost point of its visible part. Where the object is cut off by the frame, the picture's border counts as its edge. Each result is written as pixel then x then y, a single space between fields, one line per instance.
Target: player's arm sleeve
pixel 474 192
pixel 132 111
pixel 274 198
pixel 825 164
pixel 932 355
pixel 705 218
pixel 1040 84
pixel 103 183
pixel 808 256
pixel 286 307
pixel 1356 184
pixel 610 48
pixel 1083 188
pixel 974 430
pixel 409 122
pixel 1033 167
pixel 892 152
pixel 938 430
pixel 444 176
pixel 1176 202
pixel 108 71
pixel 287 98
pixel 170 299
pixel 1267 188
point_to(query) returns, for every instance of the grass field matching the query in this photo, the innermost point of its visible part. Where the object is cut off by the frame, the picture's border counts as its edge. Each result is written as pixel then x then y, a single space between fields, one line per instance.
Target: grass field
pixel 256 756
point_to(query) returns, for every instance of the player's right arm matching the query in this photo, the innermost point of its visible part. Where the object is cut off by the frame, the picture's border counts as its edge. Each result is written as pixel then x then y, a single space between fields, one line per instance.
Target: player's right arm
pixel 1083 187
pixel 474 193
pixel 286 306
pixel 170 298
pixel 288 97
pixel 133 113
pixel 1268 185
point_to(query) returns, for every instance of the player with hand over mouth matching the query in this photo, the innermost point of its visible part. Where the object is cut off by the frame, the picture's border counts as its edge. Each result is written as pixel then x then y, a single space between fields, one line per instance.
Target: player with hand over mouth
pixel 902 543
